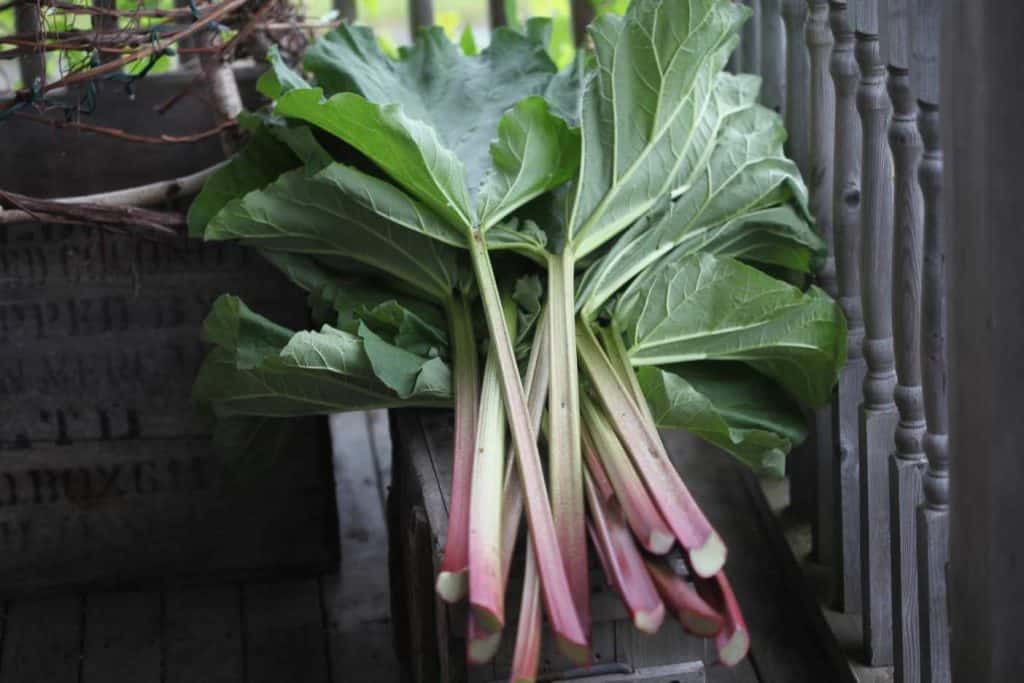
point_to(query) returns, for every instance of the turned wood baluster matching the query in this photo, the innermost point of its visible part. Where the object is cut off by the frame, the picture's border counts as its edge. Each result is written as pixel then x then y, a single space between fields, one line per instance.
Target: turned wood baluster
pixel 773 56
pixel 819 185
pixel 421 14
pixel 751 41
pixel 846 225
pixel 32 66
pixel 878 415
pixel 794 13
pixel 933 515
pixel 906 465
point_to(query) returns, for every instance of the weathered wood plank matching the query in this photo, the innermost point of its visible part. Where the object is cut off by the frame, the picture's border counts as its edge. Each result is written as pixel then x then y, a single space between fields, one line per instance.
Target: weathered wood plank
pixel 750 44
pixel 982 95
pixel 31 66
pixel 773 55
pixel 356 598
pixel 42 641
pixel 797 111
pixel 203 635
pixel 846 228
pixel 878 412
pixel 285 635
pixel 123 639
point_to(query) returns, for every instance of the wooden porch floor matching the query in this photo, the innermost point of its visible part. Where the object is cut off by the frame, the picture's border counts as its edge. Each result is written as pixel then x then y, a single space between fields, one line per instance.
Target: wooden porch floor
pixel 332 629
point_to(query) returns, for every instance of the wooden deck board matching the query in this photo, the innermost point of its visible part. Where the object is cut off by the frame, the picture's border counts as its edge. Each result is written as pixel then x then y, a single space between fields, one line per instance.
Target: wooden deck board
pixel 122 638
pixel 284 632
pixel 203 635
pixel 42 641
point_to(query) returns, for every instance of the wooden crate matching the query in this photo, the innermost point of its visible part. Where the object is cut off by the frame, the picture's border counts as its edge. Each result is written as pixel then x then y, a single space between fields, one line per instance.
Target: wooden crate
pixel 429 636
pixel 107 474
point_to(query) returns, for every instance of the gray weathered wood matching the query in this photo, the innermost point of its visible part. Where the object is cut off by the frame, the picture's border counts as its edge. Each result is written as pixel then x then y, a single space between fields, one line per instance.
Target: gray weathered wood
pixel 982 96
pixel 284 632
pixel 122 638
pixel 496 12
pixel 203 635
pixel 359 621
pixel 846 229
pixel 42 641
pixel 582 12
pixel 878 411
pixel 933 516
pixel 797 111
pixel 820 182
pixel 31 66
pixel 750 43
pixel 421 14
pixel 773 55
pixel 908 462
pixel 347 10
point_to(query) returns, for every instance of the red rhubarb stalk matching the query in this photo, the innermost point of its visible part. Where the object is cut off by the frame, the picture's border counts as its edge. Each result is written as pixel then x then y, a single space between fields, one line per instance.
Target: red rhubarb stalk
pixel 691 528
pixel 526 659
pixel 451 580
pixel 696 615
pixel 733 641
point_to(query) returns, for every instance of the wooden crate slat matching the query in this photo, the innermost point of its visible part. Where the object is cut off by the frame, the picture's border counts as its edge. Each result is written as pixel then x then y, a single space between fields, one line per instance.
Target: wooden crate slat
pixel 42 641
pixel 203 635
pixel 122 638
pixel 285 638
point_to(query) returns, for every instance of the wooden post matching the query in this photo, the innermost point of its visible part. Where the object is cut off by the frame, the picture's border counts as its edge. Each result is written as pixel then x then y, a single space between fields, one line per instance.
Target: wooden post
pixel 346 10
pixel 907 464
pixel 497 12
pixel 421 14
pixel 933 515
pixel 582 14
pixel 32 66
pixel 846 205
pixel 878 414
pixel 794 13
pixel 819 181
pixel 751 41
pixel 773 56
pixel 982 97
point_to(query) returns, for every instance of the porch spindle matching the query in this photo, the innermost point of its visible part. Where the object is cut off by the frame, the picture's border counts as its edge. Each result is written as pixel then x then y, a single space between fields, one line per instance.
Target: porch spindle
pixel 582 12
pixel 498 13
pixel 933 515
pixel 751 41
pixel 878 415
pixel 346 10
pixel 819 181
pixel 773 55
pixel 846 205
pixel 32 65
pixel 421 14
pixel 794 13
pixel 907 464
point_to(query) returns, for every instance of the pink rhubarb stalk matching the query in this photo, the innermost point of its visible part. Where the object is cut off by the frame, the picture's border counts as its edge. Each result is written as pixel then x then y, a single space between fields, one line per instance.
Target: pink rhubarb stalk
pixel 695 615
pixel 691 528
pixel 526 658
pixel 628 575
pixel 451 580
pixel 733 641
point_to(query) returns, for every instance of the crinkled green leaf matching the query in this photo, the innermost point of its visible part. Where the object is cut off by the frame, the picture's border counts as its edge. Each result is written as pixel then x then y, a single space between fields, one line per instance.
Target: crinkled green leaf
pixel 535 152
pixel 728 405
pixel 279 78
pixel 407 374
pixel 334 214
pixel 249 337
pixel 655 75
pixel 704 307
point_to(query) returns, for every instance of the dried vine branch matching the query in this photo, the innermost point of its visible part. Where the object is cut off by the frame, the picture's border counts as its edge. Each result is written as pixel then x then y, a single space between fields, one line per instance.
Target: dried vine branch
pixel 162 139
pixel 161 225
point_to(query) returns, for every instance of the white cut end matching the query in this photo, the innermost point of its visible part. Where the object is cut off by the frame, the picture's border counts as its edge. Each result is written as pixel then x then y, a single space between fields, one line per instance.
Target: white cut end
pixel 736 649
pixel 650 621
pixel 659 543
pixel 482 650
pixel 452 586
pixel 709 559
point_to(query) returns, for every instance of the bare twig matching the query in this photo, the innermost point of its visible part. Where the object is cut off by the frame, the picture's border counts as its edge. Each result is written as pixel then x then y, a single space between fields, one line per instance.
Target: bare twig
pixel 131 137
pixel 150 224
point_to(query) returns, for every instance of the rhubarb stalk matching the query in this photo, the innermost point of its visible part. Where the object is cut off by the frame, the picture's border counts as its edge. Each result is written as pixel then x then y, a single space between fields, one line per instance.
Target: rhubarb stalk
pixel 733 641
pixel 695 615
pixel 451 580
pixel 526 658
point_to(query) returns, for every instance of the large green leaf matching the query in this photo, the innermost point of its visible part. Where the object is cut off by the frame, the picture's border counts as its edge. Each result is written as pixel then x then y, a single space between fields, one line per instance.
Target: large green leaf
pixel 334 214
pixel 279 78
pixel 728 405
pixel 655 76
pixel 704 307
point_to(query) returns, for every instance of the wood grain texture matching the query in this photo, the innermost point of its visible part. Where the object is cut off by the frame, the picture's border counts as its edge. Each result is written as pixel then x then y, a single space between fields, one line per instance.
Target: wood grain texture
pixel 905 143
pixel 202 636
pixel 750 44
pixel 42 641
pixel 123 638
pixel 893 29
pixel 284 632
pixel 773 55
pixel 32 65
pixel 982 95
pixel 797 111
pixel 925 41
pixel 878 412
pixel 421 14
pixel 846 229
pixel 933 555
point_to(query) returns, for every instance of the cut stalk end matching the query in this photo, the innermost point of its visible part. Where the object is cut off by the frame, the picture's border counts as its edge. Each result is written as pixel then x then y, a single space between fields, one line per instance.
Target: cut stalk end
pixel 709 559
pixel 452 586
pixel 483 648
pixel 488 619
pixel 577 653
pixel 649 621
pixel 732 649
pixel 659 543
